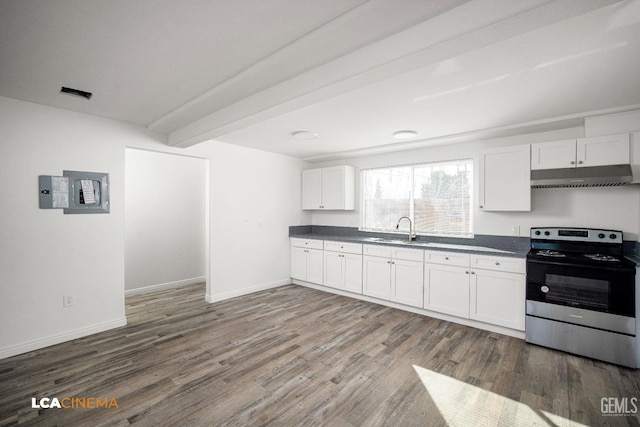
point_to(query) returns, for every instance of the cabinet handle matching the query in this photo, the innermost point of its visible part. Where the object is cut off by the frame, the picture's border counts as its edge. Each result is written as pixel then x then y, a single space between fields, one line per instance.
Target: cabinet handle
pixel 497 263
pixel 580 162
pixel 572 162
pixel 466 272
pixel 447 258
pixel 481 206
pixel 473 272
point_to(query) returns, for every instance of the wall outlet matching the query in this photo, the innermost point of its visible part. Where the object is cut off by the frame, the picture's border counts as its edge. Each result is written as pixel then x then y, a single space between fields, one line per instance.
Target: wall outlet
pixel 515 230
pixel 68 300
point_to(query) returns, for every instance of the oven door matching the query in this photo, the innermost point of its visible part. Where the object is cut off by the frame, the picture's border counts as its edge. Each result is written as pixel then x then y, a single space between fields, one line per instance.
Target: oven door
pixel 593 288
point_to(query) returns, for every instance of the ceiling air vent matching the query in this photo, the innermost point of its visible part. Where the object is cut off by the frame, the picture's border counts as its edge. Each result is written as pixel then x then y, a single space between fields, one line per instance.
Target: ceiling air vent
pixel 76 92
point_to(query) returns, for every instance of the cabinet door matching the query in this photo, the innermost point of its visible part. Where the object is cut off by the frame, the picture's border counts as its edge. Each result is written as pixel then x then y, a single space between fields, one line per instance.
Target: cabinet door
pixel 603 150
pixel 333 188
pixel 333 270
pixel 553 154
pixel 299 263
pixel 376 277
pixel 498 298
pixel 446 289
pixel 312 189
pixel 314 266
pixel 352 272
pixel 505 179
pixel 407 284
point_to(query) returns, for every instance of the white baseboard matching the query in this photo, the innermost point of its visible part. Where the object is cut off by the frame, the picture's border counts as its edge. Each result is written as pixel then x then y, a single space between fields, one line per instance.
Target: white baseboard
pixel 244 291
pixel 163 286
pixel 60 338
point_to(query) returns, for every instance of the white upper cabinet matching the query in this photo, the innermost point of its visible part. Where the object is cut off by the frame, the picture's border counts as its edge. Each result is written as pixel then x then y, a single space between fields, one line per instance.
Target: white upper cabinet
pixel 581 152
pixel 329 188
pixel 603 150
pixel 553 154
pixel 312 189
pixel 505 181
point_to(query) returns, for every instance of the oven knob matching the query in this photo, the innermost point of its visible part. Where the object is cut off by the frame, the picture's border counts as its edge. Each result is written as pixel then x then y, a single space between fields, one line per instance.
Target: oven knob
pixel 546 233
pixel 537 232
pixel 601 235
pixel 612 236
pixel 544 289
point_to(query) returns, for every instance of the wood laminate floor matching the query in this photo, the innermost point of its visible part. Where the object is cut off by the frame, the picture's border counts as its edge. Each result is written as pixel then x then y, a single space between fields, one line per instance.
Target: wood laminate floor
pixel 297 356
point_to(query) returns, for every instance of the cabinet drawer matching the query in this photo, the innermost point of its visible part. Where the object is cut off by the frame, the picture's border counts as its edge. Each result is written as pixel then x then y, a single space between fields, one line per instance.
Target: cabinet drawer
pixel 407 254
pixel 447 258
pixel 306 243
pixel 510 265
pixel 377 250
pixel 351 248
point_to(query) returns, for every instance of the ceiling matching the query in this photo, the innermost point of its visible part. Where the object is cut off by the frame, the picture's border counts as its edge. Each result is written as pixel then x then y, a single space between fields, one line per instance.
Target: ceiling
pixel 251 72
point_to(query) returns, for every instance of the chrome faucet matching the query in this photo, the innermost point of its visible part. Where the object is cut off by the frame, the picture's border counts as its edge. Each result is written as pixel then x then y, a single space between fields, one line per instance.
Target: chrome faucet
pixel 412 235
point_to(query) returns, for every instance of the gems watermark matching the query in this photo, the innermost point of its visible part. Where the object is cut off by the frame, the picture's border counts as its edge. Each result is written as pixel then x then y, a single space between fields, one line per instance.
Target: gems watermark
pixel 74 403
pixel 619 406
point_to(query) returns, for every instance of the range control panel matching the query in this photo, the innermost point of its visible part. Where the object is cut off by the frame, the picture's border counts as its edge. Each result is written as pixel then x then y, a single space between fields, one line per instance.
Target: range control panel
pixel 576 234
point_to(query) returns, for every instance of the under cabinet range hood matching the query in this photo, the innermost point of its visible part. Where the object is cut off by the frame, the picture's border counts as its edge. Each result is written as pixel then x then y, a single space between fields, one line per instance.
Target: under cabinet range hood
pixel 592 176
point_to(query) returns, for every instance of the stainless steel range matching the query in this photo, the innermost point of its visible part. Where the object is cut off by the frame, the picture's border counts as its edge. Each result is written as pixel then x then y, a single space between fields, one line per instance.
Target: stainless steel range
pixel 581 294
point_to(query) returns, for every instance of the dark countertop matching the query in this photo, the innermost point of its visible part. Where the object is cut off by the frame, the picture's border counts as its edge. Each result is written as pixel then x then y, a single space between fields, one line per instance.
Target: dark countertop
pixel 634 258
pixel 495 249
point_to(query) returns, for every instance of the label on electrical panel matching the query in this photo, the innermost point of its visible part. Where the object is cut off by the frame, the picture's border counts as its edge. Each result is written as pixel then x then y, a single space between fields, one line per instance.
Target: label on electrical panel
pixel 59 192
pixel 88 194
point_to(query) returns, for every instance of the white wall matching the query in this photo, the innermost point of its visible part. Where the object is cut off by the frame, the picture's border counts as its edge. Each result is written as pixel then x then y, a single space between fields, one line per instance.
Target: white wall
pixel 46 254
pixel 255 197
pixel 165 199
pixel 607 207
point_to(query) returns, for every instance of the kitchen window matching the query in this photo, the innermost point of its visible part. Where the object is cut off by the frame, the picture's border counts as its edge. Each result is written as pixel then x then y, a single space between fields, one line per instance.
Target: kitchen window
pixel 436 196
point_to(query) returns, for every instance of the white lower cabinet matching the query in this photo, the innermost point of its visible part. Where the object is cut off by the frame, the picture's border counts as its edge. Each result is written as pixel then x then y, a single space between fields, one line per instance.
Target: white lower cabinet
pixel 485 288
pixel 343 266
pixel 498 297
pixel 307 260
pixel 394 274
pixel 446 289
pixel 407 282
pixel 376 277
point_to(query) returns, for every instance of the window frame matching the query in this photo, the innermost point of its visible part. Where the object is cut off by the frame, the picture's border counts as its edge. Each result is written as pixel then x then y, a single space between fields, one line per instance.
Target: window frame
pixel 413 166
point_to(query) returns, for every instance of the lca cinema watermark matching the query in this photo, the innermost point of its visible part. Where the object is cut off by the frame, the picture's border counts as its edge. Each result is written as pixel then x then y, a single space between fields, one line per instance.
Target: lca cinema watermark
pixel 74 403
pixel 619 406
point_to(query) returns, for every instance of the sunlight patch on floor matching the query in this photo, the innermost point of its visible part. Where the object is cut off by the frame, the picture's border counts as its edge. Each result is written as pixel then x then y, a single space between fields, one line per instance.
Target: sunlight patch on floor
pixel 462 404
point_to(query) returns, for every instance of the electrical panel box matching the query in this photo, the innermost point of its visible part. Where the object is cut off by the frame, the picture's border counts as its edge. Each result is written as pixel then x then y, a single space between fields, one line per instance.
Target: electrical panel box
pixel 88 192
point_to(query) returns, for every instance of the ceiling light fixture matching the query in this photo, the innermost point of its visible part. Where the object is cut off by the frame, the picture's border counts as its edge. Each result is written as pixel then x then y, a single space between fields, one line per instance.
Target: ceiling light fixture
pixel 304 134
pixel 405 134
